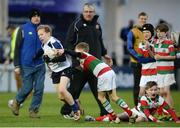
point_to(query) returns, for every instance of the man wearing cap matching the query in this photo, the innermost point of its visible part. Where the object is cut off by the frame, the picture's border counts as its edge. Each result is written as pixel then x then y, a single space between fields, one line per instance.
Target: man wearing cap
pixel 32 69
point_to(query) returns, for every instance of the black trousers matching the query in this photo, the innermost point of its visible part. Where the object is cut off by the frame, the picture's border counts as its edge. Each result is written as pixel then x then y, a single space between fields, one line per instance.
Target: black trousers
pixel 79 80
pixel 136 69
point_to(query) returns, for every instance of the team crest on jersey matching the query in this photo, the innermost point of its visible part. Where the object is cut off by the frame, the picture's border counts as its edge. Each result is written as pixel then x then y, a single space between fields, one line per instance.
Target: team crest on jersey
pixel 97 26
pixel 30 33
pixel 84 25
pixel 164 50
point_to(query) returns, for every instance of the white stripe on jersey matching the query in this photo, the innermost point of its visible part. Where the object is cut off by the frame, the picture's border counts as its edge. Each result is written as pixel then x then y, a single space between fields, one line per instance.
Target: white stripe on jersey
pixel 98 68
pixel 165 63
pixel 56 67
pixel 151 65
pixel 163 50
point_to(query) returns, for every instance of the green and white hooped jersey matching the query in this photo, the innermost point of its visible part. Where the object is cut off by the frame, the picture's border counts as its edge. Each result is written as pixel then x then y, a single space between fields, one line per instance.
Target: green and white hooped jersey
pixel 164 48
pixel 152 105
pixel 91 63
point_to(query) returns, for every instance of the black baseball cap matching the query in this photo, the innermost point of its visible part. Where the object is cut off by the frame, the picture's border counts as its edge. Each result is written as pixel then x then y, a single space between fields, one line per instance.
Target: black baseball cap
pixel 148 27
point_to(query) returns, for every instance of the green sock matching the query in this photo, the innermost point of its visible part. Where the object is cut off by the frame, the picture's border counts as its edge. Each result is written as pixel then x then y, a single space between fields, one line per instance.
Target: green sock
pixel 120 102
pixel 107 106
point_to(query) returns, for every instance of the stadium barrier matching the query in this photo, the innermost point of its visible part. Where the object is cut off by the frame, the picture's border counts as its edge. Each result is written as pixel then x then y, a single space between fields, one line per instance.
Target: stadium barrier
pixel 124 79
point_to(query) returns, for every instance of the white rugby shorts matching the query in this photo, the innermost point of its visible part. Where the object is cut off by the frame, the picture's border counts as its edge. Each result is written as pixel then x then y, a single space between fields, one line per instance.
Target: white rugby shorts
pixel 107 81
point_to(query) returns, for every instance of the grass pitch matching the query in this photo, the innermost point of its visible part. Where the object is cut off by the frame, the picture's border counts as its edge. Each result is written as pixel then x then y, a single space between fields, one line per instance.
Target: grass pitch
pixel 50 116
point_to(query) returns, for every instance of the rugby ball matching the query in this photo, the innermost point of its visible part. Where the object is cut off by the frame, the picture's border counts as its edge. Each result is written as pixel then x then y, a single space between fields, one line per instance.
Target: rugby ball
pixel 50 53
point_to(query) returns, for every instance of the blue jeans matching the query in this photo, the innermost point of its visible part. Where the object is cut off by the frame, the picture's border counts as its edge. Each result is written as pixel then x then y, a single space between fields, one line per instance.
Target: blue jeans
pixel 33 79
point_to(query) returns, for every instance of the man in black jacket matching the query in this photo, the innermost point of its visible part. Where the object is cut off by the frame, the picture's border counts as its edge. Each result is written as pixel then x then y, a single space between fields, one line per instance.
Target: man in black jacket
pixel 85 29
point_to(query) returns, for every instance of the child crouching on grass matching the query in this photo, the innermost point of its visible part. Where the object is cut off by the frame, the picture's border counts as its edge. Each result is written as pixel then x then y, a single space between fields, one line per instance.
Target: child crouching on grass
pixel 61 71
pixel 106 80
pixel 149 104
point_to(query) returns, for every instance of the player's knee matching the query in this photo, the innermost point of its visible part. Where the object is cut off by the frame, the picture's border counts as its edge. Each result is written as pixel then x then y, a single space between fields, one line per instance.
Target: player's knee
pixel 164 93
pixel 62 99
pixel 62 91
pixel 101 98
pixel 141 92
pixel 140 119
pixel 161 92
pixel 113 98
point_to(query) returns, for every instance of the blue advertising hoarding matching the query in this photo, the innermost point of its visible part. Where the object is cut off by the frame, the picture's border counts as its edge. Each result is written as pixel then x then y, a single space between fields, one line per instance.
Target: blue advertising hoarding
pixel 46 5
pixel 124 77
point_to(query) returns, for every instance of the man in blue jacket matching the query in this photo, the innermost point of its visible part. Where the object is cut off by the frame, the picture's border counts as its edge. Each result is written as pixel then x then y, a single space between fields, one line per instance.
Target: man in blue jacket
pixel 32 69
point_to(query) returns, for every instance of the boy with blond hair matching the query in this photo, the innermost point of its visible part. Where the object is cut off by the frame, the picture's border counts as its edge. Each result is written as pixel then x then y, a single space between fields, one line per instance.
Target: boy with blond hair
pixel 61 71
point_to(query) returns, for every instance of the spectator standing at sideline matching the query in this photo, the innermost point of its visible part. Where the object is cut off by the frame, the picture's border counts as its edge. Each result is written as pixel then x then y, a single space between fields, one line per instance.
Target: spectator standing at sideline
pixel 12 33
pixel 85 29
pixel 123 35
pixel 32 70
pixel 135 36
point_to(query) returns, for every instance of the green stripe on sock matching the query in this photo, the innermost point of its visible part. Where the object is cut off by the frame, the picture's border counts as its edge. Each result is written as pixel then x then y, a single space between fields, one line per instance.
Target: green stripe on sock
pixel 119 101
pixel 107 106
pixel 105 103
